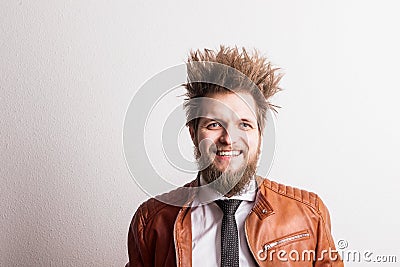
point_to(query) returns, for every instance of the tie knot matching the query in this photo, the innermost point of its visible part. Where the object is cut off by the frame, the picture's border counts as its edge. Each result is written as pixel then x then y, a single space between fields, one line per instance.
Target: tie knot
pixel 228 206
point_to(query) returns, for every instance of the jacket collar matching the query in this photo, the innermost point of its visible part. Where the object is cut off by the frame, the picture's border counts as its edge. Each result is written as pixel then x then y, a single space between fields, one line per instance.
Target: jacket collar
pixel 262 208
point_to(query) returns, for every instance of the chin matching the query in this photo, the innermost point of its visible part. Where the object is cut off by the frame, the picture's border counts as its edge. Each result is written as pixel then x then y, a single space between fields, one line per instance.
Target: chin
pixel 229 168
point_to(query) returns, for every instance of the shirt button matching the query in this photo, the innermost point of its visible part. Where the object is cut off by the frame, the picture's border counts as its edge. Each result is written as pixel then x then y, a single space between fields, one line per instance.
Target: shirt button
pixel 264 211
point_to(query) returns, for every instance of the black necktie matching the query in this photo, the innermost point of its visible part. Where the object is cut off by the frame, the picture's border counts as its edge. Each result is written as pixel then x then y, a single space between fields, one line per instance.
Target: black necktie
pixel 229 233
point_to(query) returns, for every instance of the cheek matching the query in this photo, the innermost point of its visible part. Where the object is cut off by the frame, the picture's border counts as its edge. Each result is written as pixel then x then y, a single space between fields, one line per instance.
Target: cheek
pixel 210 135
pixel 253 141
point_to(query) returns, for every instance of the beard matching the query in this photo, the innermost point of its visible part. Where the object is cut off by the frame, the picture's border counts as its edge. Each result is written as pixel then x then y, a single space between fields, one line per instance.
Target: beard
pixel 228 183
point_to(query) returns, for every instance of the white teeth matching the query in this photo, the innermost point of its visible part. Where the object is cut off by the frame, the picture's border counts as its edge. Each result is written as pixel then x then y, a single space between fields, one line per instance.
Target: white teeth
pixel 232 153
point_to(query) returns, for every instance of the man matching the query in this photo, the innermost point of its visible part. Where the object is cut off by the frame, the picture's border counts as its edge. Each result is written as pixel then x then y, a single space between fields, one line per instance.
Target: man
pixel 231 217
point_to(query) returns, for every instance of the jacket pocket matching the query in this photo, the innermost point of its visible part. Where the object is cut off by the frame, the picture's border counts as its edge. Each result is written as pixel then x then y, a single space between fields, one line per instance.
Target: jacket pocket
pixel 282 241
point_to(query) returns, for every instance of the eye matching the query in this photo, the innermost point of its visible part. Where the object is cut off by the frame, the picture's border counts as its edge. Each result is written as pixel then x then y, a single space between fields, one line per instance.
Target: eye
pixel 245 126
pixel 214 125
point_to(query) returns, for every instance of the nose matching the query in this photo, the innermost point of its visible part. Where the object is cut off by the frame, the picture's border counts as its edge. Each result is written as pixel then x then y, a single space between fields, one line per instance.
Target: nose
pixel 228 137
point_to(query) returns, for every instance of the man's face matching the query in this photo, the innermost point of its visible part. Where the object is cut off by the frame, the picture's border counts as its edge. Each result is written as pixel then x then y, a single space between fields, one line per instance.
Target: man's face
pixel 227 136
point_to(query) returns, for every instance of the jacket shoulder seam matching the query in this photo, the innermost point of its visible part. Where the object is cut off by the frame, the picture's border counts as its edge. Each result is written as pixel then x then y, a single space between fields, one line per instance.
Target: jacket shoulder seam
pixel 149 209
pixel 152 206
pixel 305 197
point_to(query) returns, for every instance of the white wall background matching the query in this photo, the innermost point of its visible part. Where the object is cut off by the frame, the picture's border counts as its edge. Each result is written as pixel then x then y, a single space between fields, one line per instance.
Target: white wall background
pixel 69 69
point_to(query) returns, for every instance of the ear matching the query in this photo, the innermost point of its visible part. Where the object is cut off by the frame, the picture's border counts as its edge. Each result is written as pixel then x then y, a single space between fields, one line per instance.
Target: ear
pixel 193 134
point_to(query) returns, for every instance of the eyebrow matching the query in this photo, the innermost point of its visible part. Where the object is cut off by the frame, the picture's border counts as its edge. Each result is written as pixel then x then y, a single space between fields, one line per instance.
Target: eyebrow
pixel 218 119
pixel 247 120
pixel 208 119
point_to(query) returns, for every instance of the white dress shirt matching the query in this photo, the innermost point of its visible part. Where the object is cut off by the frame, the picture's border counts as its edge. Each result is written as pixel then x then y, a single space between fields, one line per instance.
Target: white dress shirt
pixel 206 228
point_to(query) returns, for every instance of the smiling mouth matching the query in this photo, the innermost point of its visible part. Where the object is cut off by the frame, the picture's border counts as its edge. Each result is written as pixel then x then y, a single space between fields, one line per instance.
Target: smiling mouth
pixel 229 153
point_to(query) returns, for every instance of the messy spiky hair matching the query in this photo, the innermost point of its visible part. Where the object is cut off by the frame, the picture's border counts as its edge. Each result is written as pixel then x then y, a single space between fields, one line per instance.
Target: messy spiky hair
pixel 228 70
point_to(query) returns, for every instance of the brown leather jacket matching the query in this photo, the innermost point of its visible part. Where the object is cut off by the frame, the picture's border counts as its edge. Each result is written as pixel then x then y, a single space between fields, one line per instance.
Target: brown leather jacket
pixel 286 227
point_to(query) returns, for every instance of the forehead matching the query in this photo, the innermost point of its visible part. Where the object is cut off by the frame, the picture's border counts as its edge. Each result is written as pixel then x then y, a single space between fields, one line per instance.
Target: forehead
pixel 229 106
